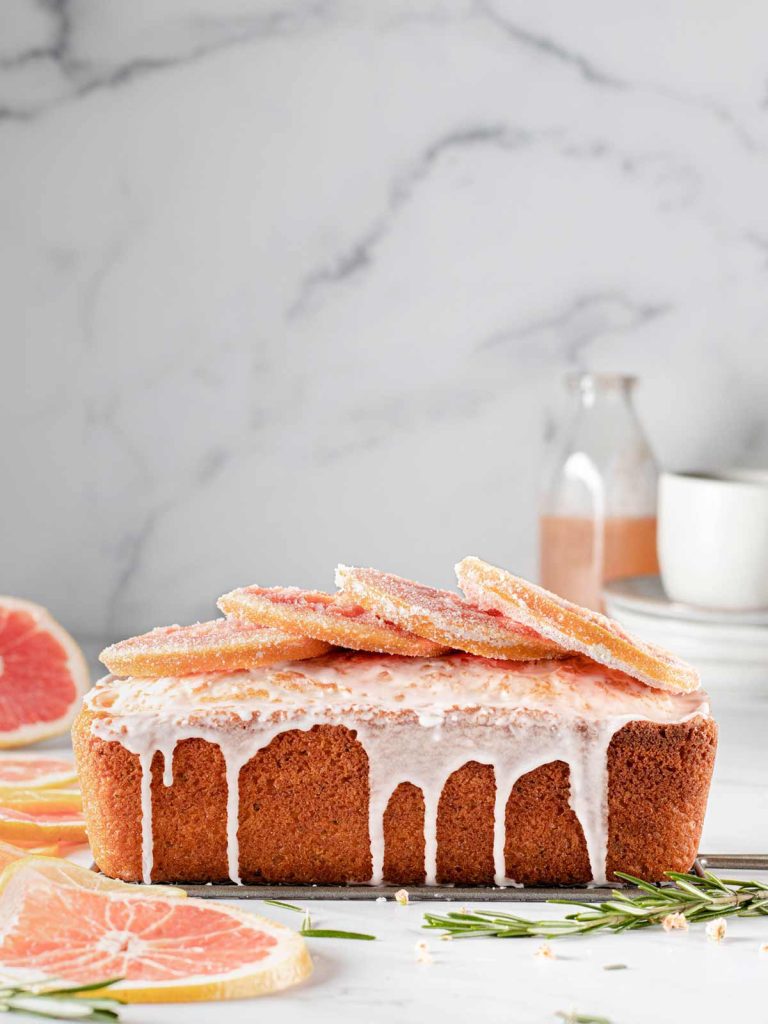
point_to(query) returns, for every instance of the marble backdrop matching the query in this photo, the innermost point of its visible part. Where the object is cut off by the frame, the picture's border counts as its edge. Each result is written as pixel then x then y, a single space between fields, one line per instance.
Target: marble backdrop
pixel 287 283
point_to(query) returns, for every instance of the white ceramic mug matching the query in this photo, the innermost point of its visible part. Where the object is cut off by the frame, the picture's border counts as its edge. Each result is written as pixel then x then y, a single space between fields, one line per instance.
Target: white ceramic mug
pixel 713 538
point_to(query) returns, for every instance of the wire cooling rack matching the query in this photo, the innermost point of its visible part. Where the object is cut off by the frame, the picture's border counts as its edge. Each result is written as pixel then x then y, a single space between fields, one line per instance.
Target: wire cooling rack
pixel 447 893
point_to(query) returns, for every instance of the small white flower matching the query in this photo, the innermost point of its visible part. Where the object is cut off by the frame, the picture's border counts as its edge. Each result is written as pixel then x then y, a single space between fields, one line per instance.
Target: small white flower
pixel 423 956
pixel 402 897
pixel 381 899
pixel 716 929
pixel 675 922
pixel 545 952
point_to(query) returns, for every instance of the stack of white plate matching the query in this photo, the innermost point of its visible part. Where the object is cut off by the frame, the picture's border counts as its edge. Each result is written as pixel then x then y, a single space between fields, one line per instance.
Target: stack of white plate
pixel 717 642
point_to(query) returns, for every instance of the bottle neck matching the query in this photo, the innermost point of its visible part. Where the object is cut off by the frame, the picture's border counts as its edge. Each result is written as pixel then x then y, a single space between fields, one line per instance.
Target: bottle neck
pixel 592 390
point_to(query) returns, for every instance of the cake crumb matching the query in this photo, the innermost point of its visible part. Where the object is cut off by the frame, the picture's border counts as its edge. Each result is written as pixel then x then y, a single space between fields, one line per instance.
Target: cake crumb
pixel 764 948
pixel 402 897
pixel 545 952
pixel 423 955
pixel 716 929
pixel 675 922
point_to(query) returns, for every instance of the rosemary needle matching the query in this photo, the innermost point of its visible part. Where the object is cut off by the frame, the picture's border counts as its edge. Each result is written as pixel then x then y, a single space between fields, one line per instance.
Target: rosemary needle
pixel 697 898
pixel 284 906
pixel 332 933
pixel 54 1001
pixel 581 1018
pixel 318 933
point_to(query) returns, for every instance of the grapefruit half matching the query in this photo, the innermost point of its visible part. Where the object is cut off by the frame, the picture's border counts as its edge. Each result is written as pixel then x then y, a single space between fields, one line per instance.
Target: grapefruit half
pixel 61 920
pixel 42 674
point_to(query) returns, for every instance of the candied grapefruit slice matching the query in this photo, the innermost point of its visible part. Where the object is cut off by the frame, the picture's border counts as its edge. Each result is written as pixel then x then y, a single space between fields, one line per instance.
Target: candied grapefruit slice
pixel 42 674
pixel 61 920
pixel 42 826
pixel 574 628
pixel 32 771
pixel 328 617
pixel 224 645
pixel 443 617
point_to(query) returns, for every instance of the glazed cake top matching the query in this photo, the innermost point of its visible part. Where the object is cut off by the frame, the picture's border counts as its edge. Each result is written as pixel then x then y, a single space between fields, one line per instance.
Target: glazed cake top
pixel 372 685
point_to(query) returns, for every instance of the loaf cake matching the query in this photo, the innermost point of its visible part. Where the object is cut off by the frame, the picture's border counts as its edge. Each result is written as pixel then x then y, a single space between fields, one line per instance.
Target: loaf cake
pixel 356 767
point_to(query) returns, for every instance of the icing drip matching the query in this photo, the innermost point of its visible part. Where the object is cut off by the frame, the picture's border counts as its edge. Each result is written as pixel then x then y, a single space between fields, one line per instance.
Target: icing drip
pixel 233 766
pixel 418 720
pixel 145 760
pixel 167 752
pixel 589 794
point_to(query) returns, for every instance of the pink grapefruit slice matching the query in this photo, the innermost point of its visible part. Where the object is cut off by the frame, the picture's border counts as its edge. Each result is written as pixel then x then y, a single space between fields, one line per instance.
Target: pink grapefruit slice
pixel 61 920
pixel 30 771
pixel 10 853
pixel 42 674
pixel 42 826
pixel 42 801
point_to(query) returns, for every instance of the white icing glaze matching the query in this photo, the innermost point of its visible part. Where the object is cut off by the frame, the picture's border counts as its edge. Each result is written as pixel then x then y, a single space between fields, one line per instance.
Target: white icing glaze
pixel 145 759
pixel 418 720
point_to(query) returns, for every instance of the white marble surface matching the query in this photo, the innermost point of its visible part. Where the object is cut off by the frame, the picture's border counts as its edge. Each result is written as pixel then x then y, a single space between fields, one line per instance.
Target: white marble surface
pixel 669 977
pixel 288 282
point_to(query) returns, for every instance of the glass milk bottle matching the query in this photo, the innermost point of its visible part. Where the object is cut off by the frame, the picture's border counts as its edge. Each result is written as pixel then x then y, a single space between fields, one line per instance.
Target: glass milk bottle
pixel 598 510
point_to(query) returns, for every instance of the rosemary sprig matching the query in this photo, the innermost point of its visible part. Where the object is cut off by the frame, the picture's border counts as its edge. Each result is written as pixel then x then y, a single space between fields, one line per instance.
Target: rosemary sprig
pixel 696 898
pixel 318 933
pixel 54 1001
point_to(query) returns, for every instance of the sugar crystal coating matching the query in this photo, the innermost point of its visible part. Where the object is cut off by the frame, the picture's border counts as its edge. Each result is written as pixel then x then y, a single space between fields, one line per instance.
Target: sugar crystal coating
pixel 222 645
pixel 574 628
pixel 443 617
pixel 330 617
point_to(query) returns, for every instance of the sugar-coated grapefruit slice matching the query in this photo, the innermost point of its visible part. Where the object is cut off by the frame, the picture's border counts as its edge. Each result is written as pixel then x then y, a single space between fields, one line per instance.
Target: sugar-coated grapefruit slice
pixel 224 645
pixel 60 825
pixel 42 674
pixel 574 628
pixel 443 617
pixel 55 922
pixel 34 771
pixel 328 617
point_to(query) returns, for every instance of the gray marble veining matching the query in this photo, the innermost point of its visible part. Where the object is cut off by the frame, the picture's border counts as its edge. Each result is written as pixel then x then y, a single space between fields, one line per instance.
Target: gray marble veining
pixel 288 283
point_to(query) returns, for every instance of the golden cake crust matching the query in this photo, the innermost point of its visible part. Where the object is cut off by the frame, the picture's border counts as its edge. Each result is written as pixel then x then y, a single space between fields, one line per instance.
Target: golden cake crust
pixel 304 811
